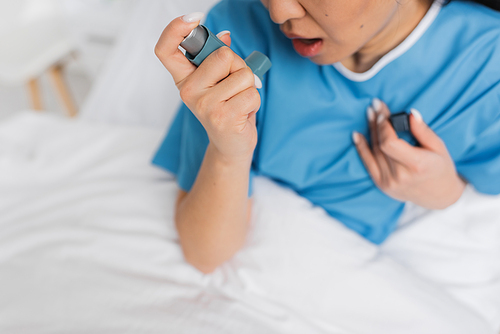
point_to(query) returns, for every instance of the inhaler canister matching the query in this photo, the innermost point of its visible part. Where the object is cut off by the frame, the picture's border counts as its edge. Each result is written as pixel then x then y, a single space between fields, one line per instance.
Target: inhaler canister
pixel 201 42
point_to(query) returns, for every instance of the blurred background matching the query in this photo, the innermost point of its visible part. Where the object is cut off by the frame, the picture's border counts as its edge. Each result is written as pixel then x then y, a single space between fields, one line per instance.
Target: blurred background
pixel 52 51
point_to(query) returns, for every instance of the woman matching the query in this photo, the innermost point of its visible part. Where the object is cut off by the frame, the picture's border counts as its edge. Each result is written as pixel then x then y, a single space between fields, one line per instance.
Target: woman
pixel 334 62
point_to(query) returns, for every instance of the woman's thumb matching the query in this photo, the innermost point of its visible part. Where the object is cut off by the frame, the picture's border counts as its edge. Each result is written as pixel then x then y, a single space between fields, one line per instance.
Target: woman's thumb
pixel 424 134
pixel 225 37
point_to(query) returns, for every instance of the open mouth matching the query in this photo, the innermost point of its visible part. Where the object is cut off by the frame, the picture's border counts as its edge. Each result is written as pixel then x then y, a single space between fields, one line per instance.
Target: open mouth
pixel 307 47
pixel 309 41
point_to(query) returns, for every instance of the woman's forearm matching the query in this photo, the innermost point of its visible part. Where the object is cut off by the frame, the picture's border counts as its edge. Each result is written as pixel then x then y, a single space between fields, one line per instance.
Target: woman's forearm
pixel 212 219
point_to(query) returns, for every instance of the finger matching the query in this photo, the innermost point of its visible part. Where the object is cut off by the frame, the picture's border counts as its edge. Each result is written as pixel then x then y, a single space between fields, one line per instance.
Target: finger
pixel 367 157
pixel 167 47
pixel 215 68
pixel 384 167
pixel 397 149
pixel 235 83
pixel 225 37
pixel 252 117
pixel 424 134
pixel 380 108
pixel 383 119
pixel 244 103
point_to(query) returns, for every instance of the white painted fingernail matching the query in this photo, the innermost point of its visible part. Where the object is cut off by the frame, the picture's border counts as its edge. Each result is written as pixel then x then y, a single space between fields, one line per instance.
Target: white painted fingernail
pixel 370 113
pixel 417 115
pixel 380 118
pixel 193 17
pixel 355 137
pixel 377 105
pixel 258 83
pixel 222 33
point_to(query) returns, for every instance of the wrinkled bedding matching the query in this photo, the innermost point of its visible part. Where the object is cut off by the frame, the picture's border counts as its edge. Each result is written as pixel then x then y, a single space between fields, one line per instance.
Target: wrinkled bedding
pixel 88 245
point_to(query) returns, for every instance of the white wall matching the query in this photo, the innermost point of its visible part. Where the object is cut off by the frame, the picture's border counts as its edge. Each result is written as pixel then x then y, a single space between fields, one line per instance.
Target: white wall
pixel 96 26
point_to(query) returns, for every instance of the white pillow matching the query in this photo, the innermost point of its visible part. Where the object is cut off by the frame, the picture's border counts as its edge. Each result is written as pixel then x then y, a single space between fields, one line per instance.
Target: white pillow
pixel 134 88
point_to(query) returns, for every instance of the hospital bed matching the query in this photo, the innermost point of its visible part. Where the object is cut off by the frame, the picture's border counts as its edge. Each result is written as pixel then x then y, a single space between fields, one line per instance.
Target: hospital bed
pixel 88 244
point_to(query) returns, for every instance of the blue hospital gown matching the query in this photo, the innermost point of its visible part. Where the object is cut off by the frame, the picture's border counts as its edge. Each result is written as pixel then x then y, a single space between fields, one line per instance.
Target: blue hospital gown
pixel 448 69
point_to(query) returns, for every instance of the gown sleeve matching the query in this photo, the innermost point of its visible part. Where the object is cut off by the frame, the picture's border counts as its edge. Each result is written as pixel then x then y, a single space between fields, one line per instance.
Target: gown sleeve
pixel 480 165
pixel 473 129
pixel 183 148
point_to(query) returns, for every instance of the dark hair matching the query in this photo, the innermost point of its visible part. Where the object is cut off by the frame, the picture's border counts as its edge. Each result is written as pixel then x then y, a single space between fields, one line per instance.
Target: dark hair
pixel 494 4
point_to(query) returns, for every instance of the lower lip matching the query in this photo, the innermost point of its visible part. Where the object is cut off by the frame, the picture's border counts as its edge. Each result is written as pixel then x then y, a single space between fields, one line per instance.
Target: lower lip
pixel 307 49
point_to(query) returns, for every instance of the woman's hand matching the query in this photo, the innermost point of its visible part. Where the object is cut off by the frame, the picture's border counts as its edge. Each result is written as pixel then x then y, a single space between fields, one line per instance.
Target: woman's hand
pixel 423 175
pixel 221 92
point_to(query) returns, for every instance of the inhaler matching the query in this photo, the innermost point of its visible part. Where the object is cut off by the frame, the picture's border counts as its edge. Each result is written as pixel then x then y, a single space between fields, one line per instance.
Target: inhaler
pixel 201 42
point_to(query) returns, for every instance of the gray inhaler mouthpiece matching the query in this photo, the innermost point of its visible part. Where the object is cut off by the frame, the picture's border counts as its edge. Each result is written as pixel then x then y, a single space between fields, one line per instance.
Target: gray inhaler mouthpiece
pixel 201 42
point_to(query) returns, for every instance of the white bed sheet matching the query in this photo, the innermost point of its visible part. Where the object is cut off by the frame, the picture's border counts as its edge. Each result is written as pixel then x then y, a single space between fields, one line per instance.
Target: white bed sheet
pixel 87 245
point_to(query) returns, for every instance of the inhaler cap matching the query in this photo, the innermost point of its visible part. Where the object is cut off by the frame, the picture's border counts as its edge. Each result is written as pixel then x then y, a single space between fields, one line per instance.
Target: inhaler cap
pixel 258 63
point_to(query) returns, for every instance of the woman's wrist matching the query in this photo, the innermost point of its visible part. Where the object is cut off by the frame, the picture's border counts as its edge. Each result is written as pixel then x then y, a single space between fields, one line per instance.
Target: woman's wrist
pixel 458 190
pixel 240 161
pixel 451 196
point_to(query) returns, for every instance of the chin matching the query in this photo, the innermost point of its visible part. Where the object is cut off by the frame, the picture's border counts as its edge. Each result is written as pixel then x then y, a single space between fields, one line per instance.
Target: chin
pixel 324 60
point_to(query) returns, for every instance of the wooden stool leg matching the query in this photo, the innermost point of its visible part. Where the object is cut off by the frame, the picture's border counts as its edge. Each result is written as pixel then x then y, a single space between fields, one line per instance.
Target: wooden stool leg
pixel 62 90
pixel 34 92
